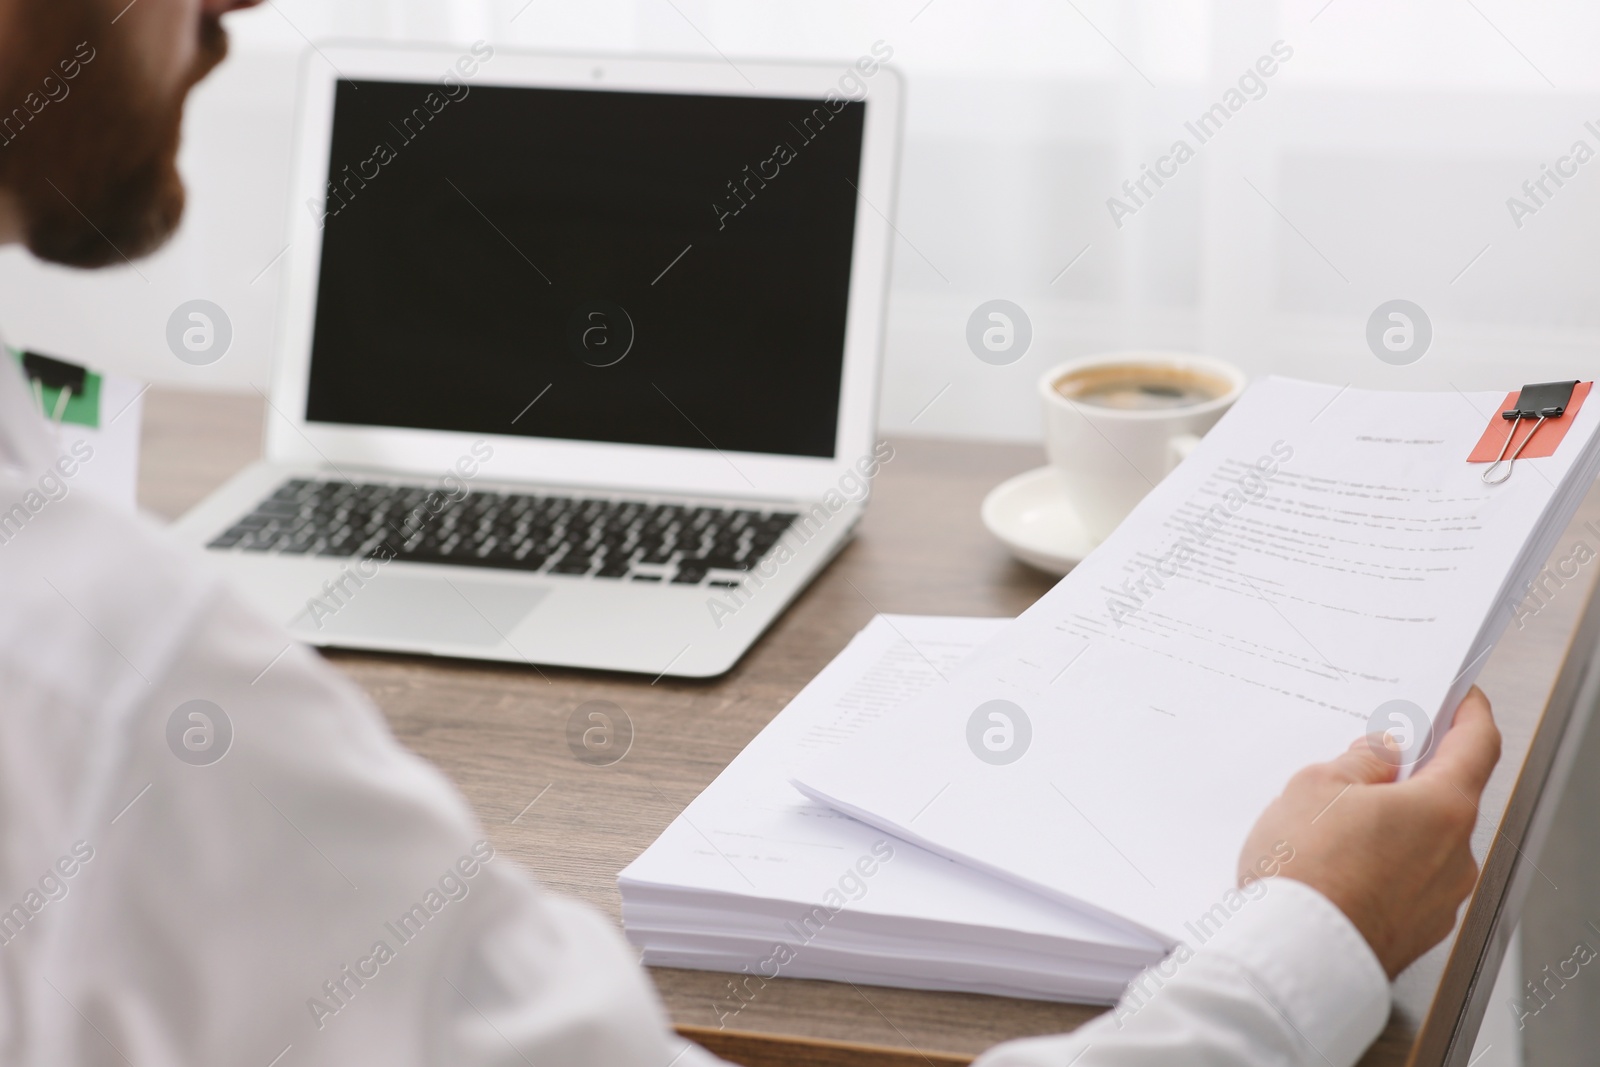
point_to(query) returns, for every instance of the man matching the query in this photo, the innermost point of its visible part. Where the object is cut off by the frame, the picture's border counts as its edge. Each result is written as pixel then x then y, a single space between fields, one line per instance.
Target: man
pixel 322 896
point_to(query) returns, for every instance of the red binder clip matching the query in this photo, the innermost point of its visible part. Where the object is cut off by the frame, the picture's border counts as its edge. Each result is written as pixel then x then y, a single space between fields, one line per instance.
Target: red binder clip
pixel 1547 400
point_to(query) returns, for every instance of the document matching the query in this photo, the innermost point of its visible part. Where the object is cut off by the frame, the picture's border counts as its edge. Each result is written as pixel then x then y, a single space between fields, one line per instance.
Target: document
pixel 752 864
pixel 1324 557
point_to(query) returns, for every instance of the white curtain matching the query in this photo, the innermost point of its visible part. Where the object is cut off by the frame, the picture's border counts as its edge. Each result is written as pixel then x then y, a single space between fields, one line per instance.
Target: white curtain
pixel 1375 163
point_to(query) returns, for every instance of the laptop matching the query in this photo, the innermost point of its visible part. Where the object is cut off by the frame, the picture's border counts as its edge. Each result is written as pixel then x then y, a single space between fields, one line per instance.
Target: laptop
pixel 578 359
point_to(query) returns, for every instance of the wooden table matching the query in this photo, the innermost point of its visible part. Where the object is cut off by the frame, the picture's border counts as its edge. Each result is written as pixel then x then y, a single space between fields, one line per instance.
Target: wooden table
pixel 499 732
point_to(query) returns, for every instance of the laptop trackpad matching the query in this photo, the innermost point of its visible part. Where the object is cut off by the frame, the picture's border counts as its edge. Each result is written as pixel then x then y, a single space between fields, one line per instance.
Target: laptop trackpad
pixel 412 609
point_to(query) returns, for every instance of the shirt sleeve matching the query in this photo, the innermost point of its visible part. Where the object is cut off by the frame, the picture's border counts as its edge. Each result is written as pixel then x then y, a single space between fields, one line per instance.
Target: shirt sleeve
pixel 219 854
pixel 1289 981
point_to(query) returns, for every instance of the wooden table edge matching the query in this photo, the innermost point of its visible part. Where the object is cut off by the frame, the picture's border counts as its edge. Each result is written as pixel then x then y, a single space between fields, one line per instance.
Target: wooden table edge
pixel 1448 1031
pixel 755 1049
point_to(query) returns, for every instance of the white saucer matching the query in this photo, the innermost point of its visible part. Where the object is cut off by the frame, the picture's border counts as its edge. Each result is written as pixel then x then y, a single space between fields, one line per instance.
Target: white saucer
pixel 1032 516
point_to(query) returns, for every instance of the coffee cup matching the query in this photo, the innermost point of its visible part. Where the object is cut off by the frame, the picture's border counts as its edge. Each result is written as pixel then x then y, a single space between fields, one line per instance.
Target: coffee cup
pixel 1115 424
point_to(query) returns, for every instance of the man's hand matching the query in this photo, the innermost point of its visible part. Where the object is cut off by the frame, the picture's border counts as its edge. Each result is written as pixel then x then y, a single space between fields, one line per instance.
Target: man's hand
pixel 1393 856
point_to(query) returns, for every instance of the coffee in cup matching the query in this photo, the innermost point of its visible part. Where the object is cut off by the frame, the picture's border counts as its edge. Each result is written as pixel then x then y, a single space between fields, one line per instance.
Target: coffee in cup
pixel 1142 386
pixel 1116 424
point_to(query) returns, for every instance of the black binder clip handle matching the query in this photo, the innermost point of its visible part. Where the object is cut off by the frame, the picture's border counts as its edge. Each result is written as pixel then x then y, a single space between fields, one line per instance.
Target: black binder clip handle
pixel 45 373
pixel 1547 400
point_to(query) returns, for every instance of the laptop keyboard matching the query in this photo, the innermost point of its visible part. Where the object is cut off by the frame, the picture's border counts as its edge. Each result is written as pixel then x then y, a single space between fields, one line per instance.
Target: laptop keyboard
pixel 622 540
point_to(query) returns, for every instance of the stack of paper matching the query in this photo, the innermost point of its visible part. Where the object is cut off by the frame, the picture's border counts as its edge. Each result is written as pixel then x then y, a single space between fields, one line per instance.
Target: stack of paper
pixel 755 879
pixel 1325 559
pixel 1067 802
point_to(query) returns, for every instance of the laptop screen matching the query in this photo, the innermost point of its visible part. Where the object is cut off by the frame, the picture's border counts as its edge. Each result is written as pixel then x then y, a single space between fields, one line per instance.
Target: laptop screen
pixel 640 268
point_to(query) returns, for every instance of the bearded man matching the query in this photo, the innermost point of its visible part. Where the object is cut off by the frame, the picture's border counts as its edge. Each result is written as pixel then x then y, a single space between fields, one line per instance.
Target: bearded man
pixel 321 896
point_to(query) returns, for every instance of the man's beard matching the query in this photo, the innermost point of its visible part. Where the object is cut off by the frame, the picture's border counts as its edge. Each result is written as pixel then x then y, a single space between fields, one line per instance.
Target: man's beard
pixel 94 174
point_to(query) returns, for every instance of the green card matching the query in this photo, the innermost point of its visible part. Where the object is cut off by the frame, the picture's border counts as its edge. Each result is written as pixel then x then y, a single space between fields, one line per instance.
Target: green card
pixel 83 404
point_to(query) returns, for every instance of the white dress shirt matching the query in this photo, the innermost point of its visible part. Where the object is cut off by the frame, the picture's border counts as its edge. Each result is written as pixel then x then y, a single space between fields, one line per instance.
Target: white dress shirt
pixel 268 878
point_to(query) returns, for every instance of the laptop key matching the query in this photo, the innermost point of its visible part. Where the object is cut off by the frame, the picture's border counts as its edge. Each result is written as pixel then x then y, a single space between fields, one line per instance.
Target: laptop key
pixel 585 536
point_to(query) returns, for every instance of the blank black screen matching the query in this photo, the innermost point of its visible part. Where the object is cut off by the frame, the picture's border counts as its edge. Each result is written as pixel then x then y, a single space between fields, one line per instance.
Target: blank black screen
pixel 470 243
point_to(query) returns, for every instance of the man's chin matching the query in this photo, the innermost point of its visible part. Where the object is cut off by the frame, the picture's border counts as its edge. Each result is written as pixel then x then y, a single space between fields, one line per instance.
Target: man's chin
pixel 98 184
pixel 135 227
